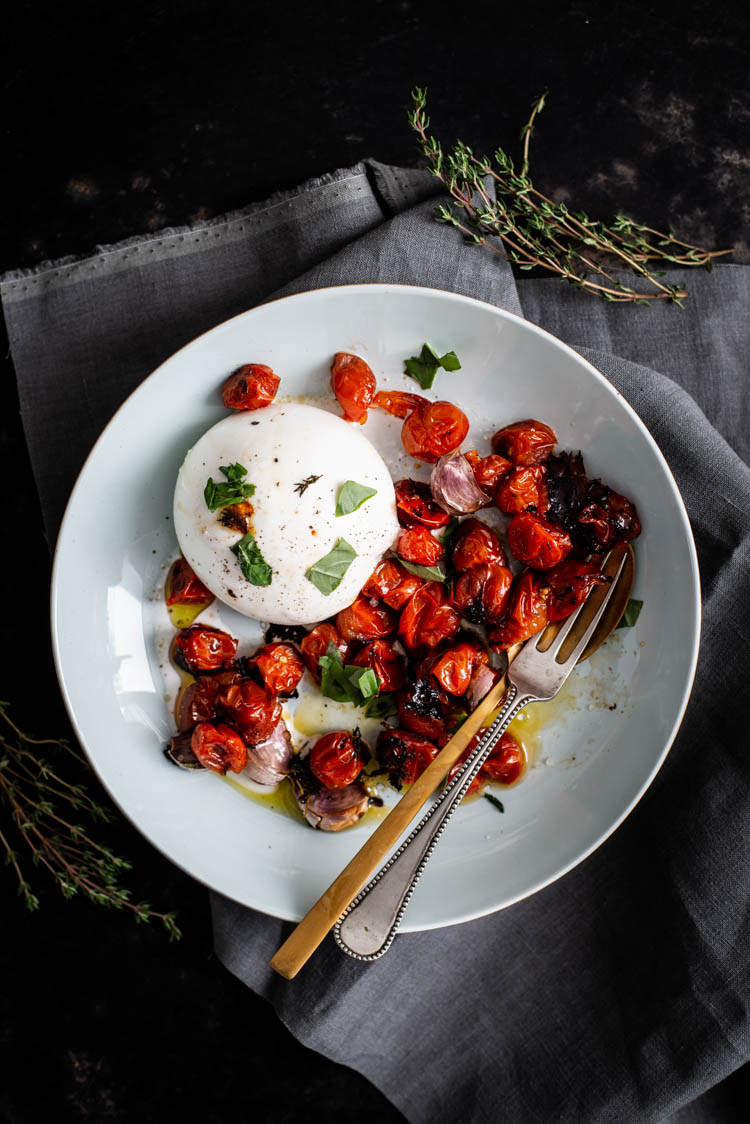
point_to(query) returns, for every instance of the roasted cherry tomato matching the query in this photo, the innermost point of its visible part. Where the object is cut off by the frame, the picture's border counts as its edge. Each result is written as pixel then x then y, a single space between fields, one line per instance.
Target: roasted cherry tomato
pixel 417 544
pixel 219 747
pixel 423 708
pixel 428 618
pixel 398 403
pixel 527 611
pixel 203 648
pixel 404 755
pixel 570 583
pixel 455 667
pixel 614 519
pixel 337 758
pixel 525 442
pixel 504 764
pixel 391 583
pixel 434 429
pixel 353 383
pixel 199 700
pixel 536 542
pixel 184 587
pixel 384 660
pixel 252 710
pixel 363 621
pixel 525 489
pixel 488 471
pixel 315 644
pixel 414 504
pixel 481 593
pixel 281 667
pixel 250 387
pixel 475 544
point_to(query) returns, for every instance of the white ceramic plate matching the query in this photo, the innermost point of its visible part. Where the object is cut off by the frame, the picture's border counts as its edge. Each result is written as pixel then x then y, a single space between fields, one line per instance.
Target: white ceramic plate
pixel 597 749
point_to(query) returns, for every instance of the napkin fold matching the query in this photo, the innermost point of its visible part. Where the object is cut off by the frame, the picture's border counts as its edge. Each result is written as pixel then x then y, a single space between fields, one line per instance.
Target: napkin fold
pixel 621 992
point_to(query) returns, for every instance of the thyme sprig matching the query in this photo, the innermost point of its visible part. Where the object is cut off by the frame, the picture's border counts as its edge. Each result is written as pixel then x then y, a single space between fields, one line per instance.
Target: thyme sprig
pixel 535 231
pixel 42 806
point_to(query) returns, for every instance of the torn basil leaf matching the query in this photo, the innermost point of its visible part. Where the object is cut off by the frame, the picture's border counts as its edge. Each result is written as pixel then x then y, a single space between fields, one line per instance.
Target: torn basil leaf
pixel 631 614
pixel 346 683
pixel 382 706
pixel 234 491
pixel 352 495
pixel 327 573
pixel 494 801
pixel 424 367
pixel 430 573
pixel 254 567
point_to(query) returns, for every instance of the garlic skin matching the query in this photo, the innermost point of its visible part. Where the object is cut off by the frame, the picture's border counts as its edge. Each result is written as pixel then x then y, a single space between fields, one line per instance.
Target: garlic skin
pixel 453 485
pixel 332 809
pixel 269 761
pixel 483 679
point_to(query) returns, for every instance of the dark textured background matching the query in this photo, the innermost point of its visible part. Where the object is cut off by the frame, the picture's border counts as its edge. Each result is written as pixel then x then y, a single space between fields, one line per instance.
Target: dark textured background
pixel 122 119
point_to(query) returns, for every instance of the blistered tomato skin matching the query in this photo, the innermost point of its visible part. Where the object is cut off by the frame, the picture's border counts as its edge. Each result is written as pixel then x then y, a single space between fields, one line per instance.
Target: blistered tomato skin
pixel 404 755
pixel 353 383
pixel 252 710
pixel 337 759
pixel 428 618
pixel 185 587
pixel 423 708
pixel 525 489
pixel 397 403
pixel 219 747
pixel 525 442
pixel 481 593
pixel 434 429
pixel 455 667
pixel 488 471
pixel 415 504
pixel 475 544
pixel 391 584
pixel 203 648
pixel 384 660
pixel 250 387
pixel 504 765
pixel 418 545
pixel 527 612
pixel 536 542
pixel 570 583
pixel 280 666
pixel 314 645
pixel 363 621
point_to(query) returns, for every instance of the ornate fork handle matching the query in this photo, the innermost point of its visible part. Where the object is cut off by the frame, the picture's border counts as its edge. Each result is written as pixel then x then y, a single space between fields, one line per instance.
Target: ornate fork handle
pixel 369 925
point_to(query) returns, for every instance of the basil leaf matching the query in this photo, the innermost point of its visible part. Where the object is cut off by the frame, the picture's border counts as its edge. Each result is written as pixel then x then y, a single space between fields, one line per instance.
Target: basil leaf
pixel 352 495
pixel 424 367
pixel 327 573
pixel 431 573
pixel 252 563
pixel 234 491
pixel 494 801
pixel 346 684
pixel 450 529
pixel 631 614
pixel 382 706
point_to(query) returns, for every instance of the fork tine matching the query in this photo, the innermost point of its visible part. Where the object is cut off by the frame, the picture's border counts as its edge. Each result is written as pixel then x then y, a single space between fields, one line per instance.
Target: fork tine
pixel 569 623
pixel 591 629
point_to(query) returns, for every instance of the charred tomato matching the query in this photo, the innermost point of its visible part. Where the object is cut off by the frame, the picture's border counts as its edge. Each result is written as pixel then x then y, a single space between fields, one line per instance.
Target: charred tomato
pixel 570 583
pixel 415 504
pixel 423 708
pixel 250 387
pixel 481 593
pixel 203 648
pixel 404 755
pixel 397 403
pixel 391 583
pixel 337 758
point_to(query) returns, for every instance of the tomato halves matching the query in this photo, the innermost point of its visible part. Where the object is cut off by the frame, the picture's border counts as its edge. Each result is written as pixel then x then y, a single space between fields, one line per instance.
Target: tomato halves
pixel 203 648
pixel 337 758
pixel 250 387
pixel 219 747
pixel 434 429
pixel 414 504
pixel 353 383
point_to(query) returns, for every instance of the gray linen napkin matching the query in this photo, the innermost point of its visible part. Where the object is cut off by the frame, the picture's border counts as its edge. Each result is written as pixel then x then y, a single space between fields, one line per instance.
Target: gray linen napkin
pixel 621 992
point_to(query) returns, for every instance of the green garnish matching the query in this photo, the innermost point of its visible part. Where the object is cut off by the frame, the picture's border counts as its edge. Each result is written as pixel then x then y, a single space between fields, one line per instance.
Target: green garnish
pixel 430 573
pixel 424 367
pixel 252 563
pixel 450 529
pixel 234 491
pixel 352 495
pixel 631 614
pixel 382 706
pixel 494 801
pixel 346 684
pixel 326 574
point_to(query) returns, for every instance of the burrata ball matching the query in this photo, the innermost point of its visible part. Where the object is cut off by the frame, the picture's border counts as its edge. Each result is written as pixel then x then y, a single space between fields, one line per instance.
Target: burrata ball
pixel 298 459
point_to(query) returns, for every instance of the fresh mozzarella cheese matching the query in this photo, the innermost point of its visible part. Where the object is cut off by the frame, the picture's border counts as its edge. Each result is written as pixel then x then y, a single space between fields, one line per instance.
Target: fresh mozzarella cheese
pixel 293 519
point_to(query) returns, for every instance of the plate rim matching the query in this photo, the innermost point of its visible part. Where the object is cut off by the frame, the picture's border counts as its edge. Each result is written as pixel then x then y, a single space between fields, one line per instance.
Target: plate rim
pixel 423 290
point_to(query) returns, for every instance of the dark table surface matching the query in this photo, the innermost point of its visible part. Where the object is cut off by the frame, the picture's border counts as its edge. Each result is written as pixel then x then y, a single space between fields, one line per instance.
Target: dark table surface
pixel 123 119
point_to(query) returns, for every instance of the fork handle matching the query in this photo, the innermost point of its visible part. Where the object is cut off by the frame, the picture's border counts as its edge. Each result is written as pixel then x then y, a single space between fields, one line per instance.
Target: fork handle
pixel 367 928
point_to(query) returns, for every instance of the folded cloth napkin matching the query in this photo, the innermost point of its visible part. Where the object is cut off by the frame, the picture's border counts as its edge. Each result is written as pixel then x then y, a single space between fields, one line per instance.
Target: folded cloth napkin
pixel 621 992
